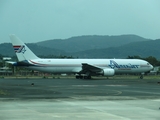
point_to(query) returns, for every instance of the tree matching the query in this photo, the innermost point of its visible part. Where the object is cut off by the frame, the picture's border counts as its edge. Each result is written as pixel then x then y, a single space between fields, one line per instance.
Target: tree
pixel 152 60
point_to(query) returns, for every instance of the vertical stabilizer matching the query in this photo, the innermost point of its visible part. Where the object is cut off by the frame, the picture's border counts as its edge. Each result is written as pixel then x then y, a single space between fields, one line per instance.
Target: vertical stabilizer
pixel 21 50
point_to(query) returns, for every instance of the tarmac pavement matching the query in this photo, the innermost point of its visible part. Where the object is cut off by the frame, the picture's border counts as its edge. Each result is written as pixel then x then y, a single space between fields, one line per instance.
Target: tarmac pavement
pixel 74 99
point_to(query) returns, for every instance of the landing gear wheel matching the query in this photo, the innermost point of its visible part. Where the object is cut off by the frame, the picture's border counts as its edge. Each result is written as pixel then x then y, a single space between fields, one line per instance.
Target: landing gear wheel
pixel 141 77
pixel 87 77
pixel 83 77
pixel 77 77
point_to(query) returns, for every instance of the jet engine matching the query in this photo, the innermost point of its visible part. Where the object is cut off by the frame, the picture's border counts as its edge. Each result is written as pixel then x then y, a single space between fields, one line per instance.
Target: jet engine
pixel 108 72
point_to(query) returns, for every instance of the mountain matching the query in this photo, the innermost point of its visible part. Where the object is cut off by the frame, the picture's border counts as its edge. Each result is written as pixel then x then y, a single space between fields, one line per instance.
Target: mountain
pixel 82 43
pixel 98 47
pixel 6 49
pixel 38 50
pixel 142 49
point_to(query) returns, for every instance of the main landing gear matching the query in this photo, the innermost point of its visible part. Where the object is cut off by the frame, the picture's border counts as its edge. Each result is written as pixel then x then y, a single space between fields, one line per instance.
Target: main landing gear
pixel 83 77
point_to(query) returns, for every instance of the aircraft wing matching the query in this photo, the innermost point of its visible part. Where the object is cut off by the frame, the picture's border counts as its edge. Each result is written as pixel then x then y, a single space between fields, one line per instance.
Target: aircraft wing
pixel 90 68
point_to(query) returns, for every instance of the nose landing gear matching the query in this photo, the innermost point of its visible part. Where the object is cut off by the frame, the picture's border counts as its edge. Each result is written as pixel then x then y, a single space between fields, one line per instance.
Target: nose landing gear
pixel 141 76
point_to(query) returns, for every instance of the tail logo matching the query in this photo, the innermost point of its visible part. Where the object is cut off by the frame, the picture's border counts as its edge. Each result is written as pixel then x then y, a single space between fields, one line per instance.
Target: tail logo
pixel 19 49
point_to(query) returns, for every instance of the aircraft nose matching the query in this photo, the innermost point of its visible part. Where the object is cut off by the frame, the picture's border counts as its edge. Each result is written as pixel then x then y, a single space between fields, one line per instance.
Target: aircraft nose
pixel 151 67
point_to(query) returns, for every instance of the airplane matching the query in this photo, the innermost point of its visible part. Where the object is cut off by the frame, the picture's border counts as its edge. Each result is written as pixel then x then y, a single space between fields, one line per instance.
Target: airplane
pixel 82 68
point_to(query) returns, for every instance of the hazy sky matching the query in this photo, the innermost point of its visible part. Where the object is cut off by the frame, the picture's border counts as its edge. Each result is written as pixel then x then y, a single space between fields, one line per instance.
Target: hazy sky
pixel 38 20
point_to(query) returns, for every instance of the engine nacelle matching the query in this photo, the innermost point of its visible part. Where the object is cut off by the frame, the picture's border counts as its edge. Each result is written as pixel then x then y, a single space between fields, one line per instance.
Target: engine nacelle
pixel 108 72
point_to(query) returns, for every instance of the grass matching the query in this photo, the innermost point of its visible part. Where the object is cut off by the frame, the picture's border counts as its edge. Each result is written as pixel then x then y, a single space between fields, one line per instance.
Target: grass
pixel 3 92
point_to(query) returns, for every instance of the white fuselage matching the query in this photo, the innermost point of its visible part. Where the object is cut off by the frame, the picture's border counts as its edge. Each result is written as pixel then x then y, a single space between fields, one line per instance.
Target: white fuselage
pixel 75 65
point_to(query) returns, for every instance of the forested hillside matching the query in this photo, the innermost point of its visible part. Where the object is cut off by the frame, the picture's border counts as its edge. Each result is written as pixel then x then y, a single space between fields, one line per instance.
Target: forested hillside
pixel 92 47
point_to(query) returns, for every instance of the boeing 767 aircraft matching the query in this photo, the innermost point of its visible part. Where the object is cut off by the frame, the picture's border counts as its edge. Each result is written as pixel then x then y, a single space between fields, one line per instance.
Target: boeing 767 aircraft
pixel 82 68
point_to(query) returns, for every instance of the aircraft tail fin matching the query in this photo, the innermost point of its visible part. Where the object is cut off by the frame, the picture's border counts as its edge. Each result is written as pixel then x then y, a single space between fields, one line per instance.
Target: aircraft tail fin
pixel 21 50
